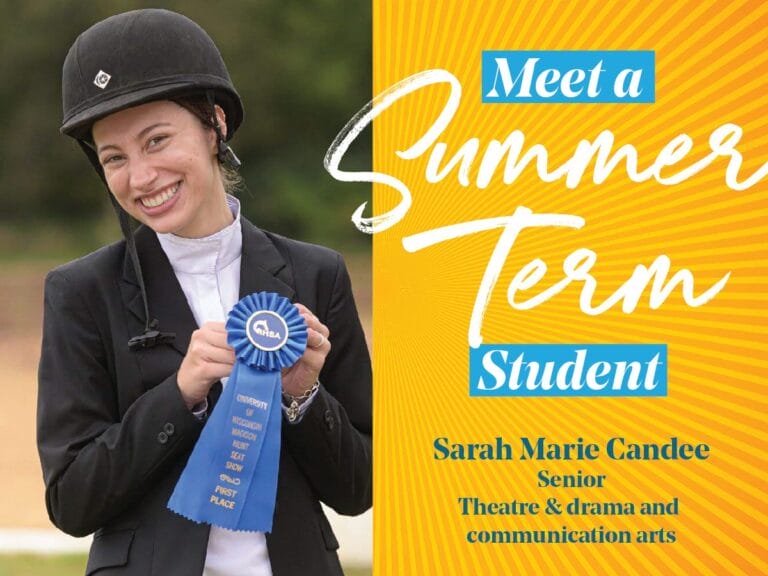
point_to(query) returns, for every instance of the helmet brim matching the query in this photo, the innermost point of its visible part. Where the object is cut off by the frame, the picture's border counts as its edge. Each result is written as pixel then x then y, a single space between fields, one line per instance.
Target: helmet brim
pixel 79 124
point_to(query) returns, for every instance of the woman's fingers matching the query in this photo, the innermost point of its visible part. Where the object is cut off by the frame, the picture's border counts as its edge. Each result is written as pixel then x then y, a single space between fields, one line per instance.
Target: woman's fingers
pixel 209 358
pixel 302 375
pixel 212 353
pixel 216 371
pixel 318 341
pixel 318 334
pixel 312 321
pixel 215 333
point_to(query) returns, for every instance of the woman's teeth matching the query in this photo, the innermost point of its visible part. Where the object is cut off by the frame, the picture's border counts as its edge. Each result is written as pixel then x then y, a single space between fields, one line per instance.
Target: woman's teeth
pixel 158 199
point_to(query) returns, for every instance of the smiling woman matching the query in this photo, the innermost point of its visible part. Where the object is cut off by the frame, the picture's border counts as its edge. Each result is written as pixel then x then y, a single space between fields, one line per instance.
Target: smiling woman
pixel 160 163
pixel 121 403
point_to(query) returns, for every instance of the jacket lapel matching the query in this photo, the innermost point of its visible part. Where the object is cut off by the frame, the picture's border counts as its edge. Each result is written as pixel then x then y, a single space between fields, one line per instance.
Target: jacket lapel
pixel 262 267
pixel 165 297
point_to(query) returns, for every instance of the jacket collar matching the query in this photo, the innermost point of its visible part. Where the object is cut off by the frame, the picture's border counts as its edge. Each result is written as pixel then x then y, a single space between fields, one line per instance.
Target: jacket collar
pixel 262 268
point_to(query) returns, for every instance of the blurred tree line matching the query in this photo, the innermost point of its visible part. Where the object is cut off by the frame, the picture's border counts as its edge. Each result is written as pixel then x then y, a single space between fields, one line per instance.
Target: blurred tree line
pixel 302 68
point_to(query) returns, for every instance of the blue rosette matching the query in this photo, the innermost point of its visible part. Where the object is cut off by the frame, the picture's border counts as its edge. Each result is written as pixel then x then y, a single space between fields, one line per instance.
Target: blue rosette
pixel 230 479
pixel 257 350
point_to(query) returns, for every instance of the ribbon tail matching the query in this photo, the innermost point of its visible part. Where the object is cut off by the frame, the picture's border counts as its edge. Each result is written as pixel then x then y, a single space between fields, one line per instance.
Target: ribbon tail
pixel 236 457
pixel 262 493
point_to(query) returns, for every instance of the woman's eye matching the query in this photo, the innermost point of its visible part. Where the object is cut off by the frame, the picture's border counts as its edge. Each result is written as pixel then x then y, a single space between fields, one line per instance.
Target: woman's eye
pixel 156 140
pixel 111 159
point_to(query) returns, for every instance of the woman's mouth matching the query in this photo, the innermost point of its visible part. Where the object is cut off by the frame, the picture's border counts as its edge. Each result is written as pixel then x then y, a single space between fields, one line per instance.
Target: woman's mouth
pixel 157 200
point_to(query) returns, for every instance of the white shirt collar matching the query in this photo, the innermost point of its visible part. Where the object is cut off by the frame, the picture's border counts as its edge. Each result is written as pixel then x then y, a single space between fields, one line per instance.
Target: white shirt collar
pixel 206 255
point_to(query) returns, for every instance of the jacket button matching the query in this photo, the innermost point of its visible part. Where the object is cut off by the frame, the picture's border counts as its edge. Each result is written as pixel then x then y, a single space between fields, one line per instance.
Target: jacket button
pixel 330 422
pixel 162 437
pixel 169 428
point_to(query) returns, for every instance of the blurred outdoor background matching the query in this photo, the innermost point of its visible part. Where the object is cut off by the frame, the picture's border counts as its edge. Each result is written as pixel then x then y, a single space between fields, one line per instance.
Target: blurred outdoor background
pixel 302 68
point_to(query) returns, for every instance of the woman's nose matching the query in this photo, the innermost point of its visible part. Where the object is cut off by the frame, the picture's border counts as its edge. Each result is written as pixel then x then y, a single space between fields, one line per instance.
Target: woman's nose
pixel 142 174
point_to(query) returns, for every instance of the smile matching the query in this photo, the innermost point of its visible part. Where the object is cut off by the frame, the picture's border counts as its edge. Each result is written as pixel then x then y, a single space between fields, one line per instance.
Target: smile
pixel 161 197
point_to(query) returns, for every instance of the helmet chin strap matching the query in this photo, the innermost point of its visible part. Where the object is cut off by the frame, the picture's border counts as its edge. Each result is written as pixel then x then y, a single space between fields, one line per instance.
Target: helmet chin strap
pixel 151 336
pixel 225 154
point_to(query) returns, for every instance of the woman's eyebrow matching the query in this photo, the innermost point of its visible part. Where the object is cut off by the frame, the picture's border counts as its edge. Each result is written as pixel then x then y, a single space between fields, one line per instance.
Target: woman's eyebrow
pixel 139 136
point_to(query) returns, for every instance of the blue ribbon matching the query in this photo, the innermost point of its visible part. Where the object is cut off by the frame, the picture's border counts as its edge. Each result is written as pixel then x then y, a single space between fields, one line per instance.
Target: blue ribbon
pixel 230 479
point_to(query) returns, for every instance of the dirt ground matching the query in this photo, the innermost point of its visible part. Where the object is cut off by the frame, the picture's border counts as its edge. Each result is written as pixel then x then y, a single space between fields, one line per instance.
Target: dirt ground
pixel 21 295
pixel 21 483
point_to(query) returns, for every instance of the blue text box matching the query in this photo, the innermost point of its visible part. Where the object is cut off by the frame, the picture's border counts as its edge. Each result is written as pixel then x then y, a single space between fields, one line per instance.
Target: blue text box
pixel 568 370
pixel 568 76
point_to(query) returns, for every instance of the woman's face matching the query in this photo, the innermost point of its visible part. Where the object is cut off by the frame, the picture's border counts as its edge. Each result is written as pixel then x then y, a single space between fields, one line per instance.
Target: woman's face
pixel 160 164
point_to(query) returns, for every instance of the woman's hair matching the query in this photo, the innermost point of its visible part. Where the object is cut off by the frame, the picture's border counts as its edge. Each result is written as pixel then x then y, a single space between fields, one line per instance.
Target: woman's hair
pixel 202 109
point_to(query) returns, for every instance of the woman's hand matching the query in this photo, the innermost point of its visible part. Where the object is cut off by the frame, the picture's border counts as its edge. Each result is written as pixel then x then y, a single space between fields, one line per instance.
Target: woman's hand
pixel 301 376
pixel 209 359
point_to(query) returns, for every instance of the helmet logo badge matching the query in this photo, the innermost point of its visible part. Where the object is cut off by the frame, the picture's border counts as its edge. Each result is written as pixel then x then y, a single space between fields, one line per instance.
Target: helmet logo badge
pixel 102 79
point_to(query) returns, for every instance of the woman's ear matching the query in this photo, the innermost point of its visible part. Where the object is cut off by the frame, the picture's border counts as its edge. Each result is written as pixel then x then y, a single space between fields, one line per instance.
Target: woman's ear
pixel 222 118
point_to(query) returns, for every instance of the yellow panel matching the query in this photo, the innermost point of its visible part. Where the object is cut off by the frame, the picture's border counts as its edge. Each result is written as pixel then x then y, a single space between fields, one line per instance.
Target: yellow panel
pixel 711 69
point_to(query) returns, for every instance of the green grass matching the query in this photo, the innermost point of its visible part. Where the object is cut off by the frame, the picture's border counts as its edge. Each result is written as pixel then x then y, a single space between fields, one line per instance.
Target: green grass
pixel 74 565
pixel 54 240
pixel 32 565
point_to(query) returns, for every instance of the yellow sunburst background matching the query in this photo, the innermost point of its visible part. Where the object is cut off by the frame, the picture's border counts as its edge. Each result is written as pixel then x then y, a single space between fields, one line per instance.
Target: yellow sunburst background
pixel 711 69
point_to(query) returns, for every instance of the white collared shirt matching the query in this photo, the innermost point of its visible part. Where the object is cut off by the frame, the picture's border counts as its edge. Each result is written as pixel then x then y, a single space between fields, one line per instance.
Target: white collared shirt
pixel 208 270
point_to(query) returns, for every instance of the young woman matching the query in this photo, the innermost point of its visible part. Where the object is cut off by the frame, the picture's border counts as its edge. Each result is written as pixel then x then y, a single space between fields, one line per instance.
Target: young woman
pixel 134 350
